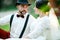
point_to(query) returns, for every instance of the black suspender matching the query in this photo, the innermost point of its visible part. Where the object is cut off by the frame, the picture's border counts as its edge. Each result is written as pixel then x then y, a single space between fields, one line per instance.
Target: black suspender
pixel 11 19
pixel 25 25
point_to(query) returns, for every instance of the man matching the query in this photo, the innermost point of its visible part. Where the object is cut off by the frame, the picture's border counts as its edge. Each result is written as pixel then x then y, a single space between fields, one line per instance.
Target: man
pixel 20 21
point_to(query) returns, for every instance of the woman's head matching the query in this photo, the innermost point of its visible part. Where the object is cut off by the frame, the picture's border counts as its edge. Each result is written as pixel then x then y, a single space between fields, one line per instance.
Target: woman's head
pixel 41 5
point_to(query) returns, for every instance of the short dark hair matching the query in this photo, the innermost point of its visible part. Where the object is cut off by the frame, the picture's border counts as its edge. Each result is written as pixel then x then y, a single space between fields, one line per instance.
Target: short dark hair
pixel 39 3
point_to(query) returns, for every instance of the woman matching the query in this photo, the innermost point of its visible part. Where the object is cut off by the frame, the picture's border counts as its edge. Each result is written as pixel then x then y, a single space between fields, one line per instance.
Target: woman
pixel 42 28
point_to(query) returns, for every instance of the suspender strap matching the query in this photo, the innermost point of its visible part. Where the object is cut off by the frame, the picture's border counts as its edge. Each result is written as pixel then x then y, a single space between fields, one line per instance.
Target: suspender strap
pixel 11 19
pixel 25 25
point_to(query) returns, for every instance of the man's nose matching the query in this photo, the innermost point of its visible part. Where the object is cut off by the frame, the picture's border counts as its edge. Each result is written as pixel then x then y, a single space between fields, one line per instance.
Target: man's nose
pixel 22 8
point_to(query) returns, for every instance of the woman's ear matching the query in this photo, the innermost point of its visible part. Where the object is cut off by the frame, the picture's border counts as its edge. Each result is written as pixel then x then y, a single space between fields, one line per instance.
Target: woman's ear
pixel 47 13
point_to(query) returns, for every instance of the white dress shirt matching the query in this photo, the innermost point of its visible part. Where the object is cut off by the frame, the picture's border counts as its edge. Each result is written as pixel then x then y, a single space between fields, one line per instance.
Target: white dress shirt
pixel 17 24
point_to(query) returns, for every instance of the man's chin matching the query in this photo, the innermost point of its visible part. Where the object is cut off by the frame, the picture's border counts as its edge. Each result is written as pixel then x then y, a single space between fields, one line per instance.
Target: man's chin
pixel 24 13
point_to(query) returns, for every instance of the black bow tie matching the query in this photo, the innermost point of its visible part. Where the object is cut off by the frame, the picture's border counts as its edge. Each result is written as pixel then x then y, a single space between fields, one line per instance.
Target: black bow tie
pixel 22 16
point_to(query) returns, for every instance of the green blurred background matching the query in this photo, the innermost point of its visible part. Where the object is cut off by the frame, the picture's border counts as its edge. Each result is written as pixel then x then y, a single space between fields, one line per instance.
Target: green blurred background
pixel 9 5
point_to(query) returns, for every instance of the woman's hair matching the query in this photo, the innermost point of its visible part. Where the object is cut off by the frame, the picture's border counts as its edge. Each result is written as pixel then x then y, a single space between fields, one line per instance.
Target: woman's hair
pixel 39 3
pixel 42 5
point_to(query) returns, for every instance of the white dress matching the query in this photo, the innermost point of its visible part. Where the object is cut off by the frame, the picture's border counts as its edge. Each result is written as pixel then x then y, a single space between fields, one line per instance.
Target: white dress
pixel 54 24
pixel 40 28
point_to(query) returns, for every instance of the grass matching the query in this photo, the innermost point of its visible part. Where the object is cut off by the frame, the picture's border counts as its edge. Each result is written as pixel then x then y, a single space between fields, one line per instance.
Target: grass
pixel 5 27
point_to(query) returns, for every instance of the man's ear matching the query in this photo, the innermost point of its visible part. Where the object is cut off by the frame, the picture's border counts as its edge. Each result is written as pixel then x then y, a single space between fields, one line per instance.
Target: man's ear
pixel 16 6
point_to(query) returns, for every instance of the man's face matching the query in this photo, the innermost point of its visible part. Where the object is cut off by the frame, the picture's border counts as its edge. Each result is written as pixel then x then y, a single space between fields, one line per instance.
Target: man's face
pixel 23 8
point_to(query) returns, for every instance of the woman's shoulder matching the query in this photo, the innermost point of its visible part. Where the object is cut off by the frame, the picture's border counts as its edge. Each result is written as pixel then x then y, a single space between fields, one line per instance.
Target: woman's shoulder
pixel 43 18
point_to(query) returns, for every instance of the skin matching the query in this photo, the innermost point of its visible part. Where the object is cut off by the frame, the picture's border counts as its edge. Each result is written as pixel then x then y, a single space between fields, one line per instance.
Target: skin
pixel 23 9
